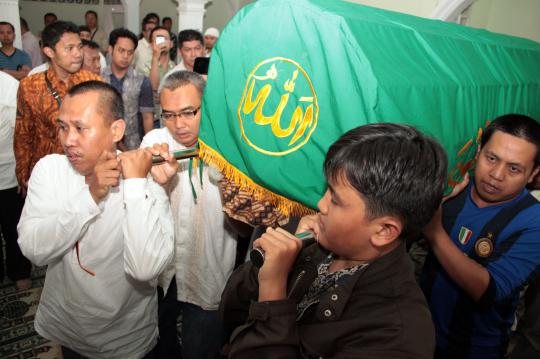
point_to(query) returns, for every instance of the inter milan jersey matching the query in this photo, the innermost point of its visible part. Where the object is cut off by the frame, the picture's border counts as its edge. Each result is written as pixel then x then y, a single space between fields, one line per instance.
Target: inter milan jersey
pixel 469 329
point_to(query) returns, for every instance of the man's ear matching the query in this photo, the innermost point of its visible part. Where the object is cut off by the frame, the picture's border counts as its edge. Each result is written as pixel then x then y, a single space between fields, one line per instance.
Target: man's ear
pixel 388 229
pixel 118 127
pixel 533 174
pixel 110 50
pixel 48 52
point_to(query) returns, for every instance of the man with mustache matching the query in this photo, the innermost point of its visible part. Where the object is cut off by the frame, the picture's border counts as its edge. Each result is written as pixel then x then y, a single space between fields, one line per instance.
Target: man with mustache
pixel 104 229
pixel 484 244
pixel 40 96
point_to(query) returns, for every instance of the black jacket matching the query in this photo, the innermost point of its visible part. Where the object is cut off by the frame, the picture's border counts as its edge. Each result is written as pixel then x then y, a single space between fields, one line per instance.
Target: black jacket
pixel 378 313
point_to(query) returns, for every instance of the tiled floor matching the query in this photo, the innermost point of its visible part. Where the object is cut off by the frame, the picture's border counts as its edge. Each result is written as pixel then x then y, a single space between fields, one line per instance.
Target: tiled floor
pixel 18 339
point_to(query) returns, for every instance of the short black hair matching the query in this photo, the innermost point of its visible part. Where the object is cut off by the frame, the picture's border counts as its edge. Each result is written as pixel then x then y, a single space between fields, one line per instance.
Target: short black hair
pixel 189 35
pixel 151 15
pixel 7 23
pixel 517 125
pixel 110 106
pixel 50 14
pixel 158 28
pixel 53 32
pixel 84 28
pixel 122 32
pixel 24 24
pixel 397 171
pixel 145 22
pixel 166 18
pixel 89 43
pixel 91 12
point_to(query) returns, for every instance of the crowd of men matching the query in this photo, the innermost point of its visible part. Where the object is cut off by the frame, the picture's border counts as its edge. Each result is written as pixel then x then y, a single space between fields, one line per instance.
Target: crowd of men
pixel 130 247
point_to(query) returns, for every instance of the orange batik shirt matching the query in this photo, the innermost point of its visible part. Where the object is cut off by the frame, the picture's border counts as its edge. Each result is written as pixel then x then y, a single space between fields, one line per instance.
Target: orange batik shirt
pixel 36 133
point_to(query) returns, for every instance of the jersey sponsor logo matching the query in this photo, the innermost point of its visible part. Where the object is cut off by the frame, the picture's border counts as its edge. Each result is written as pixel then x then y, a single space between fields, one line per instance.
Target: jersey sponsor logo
pixel 483 247
pixel 465 235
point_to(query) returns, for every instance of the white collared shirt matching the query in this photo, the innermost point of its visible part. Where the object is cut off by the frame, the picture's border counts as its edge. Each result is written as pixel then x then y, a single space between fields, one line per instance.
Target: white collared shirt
pixel 8 112
pixel 143 57
pixel 126 240
pixel 205 246
pixel 30 45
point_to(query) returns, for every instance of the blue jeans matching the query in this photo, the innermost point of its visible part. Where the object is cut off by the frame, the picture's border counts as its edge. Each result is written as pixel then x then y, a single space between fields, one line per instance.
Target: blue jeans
pixel 202 333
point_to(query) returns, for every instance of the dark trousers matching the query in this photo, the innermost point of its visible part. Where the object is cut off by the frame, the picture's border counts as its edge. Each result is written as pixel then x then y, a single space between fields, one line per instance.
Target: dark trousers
pixel 70 354
pixel 17 266
pixel 524 350
pixel 202 332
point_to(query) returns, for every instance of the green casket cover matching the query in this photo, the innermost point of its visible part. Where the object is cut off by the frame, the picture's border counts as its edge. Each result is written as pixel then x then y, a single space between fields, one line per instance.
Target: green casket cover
pixel 288 77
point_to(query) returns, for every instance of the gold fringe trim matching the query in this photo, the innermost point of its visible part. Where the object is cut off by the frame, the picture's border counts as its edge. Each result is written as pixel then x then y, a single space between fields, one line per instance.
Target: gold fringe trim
pixel 286 206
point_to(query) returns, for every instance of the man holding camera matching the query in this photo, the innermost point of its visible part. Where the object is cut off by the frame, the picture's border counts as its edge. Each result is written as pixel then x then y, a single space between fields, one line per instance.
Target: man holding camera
pixel 161 63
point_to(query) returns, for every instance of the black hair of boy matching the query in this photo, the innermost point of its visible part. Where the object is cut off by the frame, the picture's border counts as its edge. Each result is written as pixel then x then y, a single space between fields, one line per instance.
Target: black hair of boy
pixel 397 170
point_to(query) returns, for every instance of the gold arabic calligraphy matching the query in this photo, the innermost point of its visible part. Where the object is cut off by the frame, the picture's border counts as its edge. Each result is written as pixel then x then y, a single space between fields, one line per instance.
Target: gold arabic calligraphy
pixel 300 121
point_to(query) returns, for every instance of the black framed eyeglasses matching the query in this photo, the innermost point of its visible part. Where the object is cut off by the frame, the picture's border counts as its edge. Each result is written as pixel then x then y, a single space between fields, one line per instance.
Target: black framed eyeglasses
pixel 186 114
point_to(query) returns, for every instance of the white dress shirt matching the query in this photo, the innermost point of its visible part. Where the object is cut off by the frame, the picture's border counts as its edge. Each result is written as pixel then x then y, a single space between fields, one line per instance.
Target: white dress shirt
pixel 8 112
pixel 30 45
pixel 143 57
pixel 36 70
pixel 205 246
pixel 126 240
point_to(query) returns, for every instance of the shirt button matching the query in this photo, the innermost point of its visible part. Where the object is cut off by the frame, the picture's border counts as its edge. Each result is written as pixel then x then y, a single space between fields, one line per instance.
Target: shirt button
pixel 308 259
pixel 327 313
pixel 334 297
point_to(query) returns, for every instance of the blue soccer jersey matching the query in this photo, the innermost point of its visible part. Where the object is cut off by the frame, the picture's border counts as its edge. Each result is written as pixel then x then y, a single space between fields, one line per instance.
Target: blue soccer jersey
pixel 511 254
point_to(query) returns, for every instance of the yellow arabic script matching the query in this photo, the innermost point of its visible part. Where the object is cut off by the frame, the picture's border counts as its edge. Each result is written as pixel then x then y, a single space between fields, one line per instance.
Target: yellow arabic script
pixel 299 119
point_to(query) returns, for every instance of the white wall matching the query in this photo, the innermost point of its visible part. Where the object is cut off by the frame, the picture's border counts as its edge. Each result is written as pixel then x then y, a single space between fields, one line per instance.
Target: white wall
pixel 513 17
pixel 422 8
pixel 164 8
pixel 33 12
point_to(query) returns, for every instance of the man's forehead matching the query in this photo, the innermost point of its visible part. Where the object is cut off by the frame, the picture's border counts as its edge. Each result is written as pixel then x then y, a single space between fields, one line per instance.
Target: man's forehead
pixel 69 38
pixel 161 32
pixel 91 52
pixel 124 43
pixel 511 148
pixel 501 139
pixel 188 95
pixel 83 108
pixel 191 44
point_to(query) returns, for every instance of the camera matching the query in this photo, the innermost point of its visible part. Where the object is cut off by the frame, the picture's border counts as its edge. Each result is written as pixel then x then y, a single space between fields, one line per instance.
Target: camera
pixel 160 40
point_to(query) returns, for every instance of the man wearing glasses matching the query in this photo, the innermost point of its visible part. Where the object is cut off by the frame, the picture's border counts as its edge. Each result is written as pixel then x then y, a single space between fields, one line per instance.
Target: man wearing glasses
pixel 205 246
